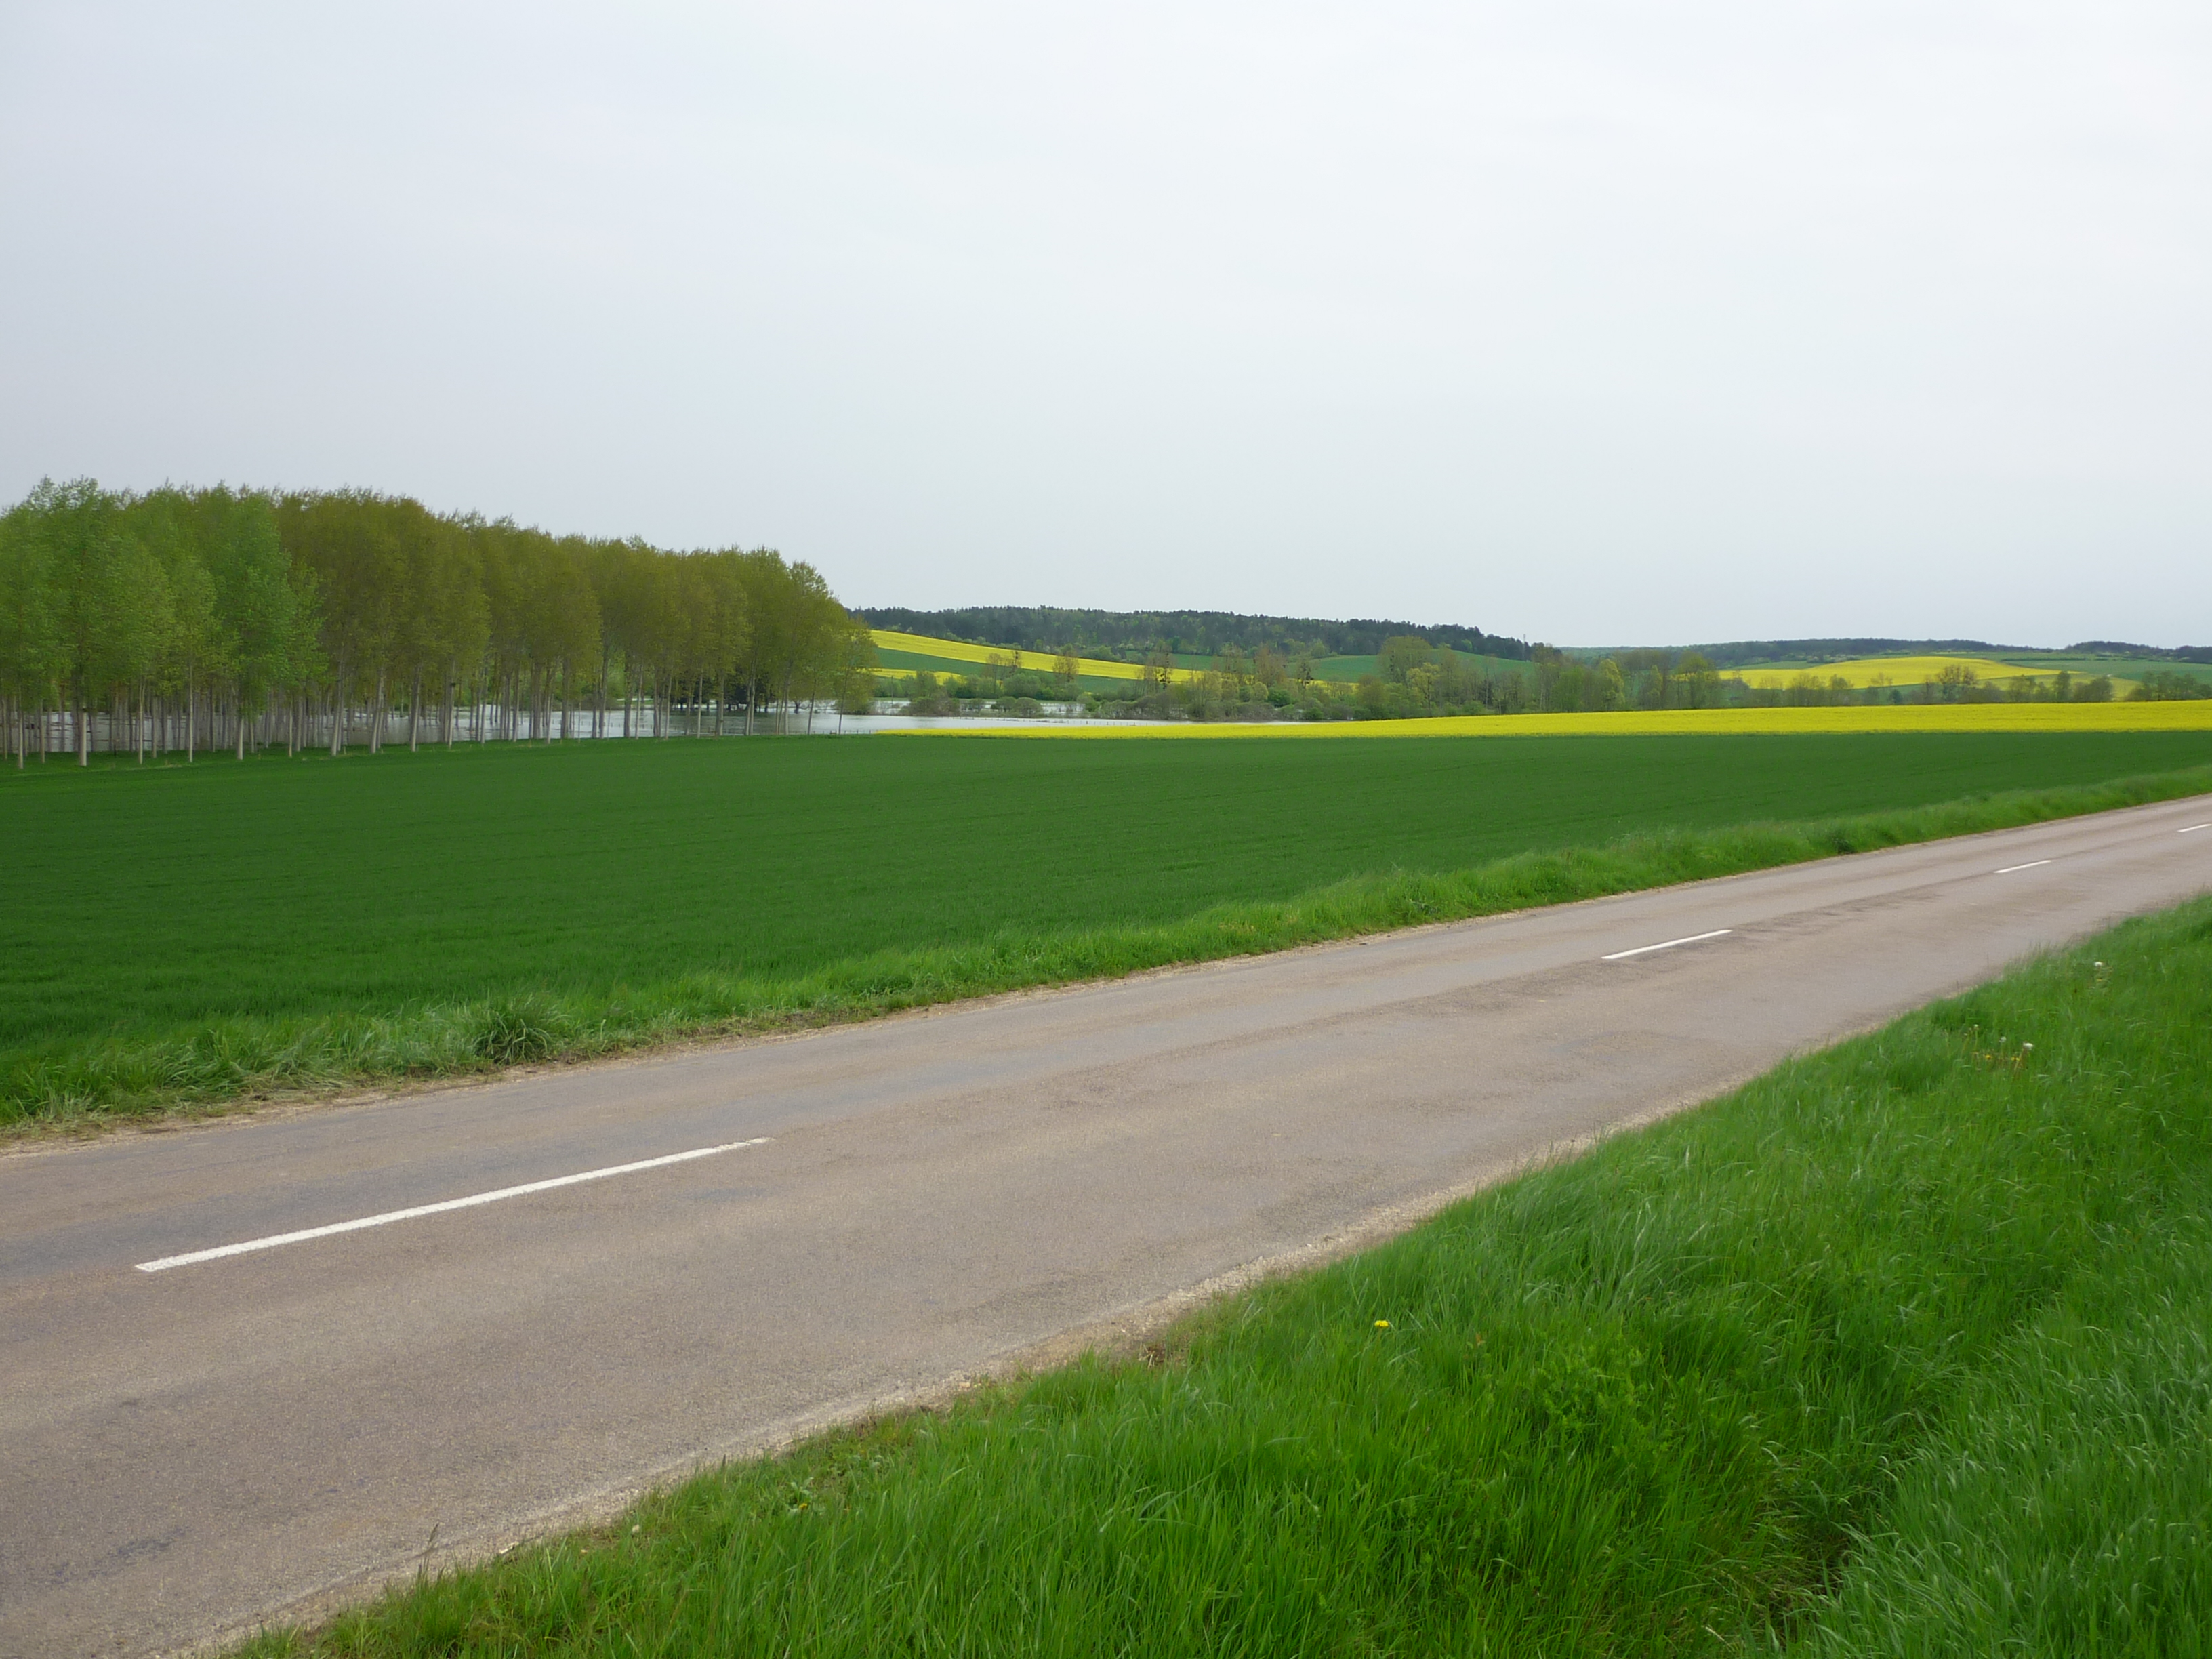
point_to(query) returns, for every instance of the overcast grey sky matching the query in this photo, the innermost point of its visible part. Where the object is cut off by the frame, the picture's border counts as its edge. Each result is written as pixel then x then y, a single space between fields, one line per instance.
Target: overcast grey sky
pixel 1589 322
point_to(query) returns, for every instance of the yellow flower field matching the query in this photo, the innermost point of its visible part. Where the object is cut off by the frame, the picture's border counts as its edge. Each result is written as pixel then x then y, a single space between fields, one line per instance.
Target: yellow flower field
pixel 1899 670
pixel 1906 717
pixel 923 645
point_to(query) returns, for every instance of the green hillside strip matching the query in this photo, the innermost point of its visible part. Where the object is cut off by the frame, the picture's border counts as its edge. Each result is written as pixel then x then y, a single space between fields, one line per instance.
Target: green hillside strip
pixel 899 664
pixel 336 977
pixel 1347 670
pixel 1899 1349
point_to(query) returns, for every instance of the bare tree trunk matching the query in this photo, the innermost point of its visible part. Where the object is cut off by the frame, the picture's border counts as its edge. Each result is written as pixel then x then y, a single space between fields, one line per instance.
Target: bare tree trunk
pixel 446 720
pixel 415 710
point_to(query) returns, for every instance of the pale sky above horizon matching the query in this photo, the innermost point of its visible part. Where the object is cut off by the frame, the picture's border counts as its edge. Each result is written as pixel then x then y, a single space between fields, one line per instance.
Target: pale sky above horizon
pixel 1584 322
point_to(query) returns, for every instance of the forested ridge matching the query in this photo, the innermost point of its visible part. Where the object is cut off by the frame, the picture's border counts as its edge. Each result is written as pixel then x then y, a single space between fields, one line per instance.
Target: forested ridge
pixel 183 619
pixel 1130 635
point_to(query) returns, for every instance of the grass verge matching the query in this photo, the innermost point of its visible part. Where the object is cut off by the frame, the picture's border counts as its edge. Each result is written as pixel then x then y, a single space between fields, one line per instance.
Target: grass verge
pixel 227 1059
pixel 1898 1349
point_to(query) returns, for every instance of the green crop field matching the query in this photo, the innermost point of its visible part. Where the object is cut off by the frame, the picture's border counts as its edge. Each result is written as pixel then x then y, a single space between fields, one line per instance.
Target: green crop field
pixel 175 931
pixel 1899 1350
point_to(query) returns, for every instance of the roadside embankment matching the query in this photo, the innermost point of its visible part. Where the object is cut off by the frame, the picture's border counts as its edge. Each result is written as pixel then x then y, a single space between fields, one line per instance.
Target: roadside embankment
pixel 1898 1349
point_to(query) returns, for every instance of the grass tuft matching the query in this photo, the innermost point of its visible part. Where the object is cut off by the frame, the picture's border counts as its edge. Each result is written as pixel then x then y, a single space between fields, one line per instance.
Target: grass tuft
pixel 511 1030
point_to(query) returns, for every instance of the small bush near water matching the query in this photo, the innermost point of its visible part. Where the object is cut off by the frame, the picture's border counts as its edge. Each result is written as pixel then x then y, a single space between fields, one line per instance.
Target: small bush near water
pixel 1899 1349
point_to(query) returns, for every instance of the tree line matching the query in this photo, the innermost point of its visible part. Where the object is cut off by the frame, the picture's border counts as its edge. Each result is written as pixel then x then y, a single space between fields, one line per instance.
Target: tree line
pixel 178 620
pixel 1414 678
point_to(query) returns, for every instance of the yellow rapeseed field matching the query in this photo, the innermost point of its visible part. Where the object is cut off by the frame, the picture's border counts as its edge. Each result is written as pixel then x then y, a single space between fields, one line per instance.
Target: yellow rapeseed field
pixel 1905 717
pixel 1893 671
pixel 922 645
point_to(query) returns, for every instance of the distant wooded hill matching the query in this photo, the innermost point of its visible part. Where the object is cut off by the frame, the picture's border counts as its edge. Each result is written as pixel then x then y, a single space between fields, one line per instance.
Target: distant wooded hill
pixel 1129 634
pixel 2122 648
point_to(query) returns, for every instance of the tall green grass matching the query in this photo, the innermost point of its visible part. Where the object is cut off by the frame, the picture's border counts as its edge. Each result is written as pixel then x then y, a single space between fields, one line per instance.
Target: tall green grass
pixel 1898 1349
pixel 554 980
pixel 2066 1506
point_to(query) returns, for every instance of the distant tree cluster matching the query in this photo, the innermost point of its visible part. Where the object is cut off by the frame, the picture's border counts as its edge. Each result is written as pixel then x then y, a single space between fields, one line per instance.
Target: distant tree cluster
pixel 1133 635
pixel 2148 653
pixel 1413 679
pixel 1955 682
pixel 2166 686
pixel 1738 654
pixel 184 619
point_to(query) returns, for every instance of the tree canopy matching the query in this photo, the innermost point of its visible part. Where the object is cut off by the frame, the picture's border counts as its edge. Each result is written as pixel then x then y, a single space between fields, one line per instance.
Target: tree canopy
pixel 182 617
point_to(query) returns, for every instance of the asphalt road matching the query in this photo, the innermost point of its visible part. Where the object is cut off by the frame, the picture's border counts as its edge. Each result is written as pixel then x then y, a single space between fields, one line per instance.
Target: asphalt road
pixel 188 1450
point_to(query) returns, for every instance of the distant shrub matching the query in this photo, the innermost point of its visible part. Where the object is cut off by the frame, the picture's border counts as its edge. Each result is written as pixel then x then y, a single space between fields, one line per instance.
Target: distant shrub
pixel 2169 685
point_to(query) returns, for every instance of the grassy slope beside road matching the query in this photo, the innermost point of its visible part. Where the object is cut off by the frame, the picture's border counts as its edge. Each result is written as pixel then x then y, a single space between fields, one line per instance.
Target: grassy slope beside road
pixel 1899 1349
pixel 173 935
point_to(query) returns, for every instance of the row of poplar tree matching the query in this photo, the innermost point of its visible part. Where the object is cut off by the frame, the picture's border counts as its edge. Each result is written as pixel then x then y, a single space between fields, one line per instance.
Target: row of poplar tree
pixel 190 619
